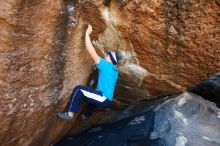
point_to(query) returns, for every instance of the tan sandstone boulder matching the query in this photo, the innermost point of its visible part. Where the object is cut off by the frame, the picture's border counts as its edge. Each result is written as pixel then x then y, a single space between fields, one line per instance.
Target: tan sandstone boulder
pixel 168 46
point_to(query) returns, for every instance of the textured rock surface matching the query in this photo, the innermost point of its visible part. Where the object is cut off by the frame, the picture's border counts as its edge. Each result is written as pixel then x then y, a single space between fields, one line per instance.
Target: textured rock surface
pixel 176 42
pixel 186 119
pixel 209 89
pixel 168 45
pixel 41 60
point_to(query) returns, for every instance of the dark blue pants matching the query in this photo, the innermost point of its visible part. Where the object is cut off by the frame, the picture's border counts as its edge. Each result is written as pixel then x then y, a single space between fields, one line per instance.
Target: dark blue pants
pixel 94 98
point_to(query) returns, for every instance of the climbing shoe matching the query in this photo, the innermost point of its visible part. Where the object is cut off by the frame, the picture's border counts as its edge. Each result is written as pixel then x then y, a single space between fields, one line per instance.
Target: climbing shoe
pixel 64 115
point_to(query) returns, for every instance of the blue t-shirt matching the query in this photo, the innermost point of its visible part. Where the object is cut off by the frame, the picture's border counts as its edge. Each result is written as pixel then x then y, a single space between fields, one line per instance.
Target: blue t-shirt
pixel 108 75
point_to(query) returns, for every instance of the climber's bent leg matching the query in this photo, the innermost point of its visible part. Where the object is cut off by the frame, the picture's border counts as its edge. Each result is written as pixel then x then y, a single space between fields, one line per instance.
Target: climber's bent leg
pixel 89 110
pixel 84 93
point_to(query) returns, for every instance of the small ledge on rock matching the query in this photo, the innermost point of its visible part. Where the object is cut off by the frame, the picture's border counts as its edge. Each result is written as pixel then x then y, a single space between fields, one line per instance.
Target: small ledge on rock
pixel 172 30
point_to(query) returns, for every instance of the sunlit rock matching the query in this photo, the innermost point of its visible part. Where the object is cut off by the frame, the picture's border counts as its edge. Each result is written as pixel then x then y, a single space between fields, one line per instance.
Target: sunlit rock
pixel 168 47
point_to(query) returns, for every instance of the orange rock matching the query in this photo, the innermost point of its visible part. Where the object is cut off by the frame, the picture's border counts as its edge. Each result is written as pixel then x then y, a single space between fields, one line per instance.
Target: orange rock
pixel 169 46
pixel 42 59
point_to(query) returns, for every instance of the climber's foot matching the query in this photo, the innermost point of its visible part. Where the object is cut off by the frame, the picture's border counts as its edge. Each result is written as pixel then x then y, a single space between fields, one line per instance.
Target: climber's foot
pixel 65 115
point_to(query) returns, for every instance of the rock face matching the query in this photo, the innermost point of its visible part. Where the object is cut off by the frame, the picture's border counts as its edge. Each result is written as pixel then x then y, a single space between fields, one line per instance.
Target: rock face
pixel 176 42
pixel 209 89
pixel 41 60
pixel 186 119
pixel 168 46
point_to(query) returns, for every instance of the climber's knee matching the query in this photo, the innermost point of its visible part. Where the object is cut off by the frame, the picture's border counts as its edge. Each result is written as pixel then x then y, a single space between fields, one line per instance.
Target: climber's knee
pixel 78 87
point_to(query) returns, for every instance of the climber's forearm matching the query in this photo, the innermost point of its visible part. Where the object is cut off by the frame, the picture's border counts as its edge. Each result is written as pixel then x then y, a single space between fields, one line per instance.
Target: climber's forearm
pixel 91 49
pixel 89 45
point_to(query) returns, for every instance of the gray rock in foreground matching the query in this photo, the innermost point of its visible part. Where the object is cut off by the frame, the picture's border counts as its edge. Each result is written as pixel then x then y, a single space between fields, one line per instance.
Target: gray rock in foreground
pixel 209 89
pixel 184 120
pixel 187 120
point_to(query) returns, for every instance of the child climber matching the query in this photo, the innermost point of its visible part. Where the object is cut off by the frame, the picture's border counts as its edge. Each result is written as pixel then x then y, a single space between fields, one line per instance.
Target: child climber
pixel 108 75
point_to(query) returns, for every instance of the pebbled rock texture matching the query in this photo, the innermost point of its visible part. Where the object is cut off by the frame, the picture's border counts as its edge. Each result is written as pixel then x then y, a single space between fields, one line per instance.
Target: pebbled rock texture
pixel 168 47
pixel 41 61
pixel 176 42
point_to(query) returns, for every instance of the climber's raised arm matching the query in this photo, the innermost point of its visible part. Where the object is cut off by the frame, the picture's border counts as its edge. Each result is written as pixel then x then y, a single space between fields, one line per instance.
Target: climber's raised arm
pixel 89 45
pixel 107 78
